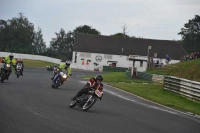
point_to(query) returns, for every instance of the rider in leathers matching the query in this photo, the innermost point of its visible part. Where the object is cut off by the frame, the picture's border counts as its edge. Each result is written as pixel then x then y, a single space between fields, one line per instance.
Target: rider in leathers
pixel 95 83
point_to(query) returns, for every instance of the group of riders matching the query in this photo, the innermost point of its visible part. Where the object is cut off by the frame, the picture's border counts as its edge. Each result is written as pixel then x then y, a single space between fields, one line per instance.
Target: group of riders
pixel 95 83
pixel 13 62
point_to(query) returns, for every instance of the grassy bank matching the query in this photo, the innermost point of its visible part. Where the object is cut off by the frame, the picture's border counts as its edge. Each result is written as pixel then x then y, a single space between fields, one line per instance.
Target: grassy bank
pixel 151 91
pixel 187 70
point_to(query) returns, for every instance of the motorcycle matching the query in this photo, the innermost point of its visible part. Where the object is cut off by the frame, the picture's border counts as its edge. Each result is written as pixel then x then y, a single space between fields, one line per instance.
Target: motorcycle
pixel 19 69
pixel 49 68
pixel 61 78
pixel 86 101
pixel 6 72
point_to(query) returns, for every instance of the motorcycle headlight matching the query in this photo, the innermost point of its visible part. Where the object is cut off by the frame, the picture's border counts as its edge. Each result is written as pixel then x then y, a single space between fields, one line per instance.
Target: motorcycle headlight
pixel 7 65
pixel 64 76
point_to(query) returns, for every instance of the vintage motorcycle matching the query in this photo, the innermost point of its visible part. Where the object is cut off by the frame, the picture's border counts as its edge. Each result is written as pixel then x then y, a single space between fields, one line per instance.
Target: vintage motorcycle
pixel 6 72
pixel 19 69
pixel 60 80
pixel 86 101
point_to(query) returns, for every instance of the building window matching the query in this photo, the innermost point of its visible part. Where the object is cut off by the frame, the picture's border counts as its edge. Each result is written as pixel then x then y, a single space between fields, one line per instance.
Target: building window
pixel 107 56
pixel 82 54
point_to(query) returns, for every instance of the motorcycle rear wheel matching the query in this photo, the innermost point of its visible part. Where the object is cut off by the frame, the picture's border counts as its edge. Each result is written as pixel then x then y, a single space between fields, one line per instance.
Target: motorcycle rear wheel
pixel 72 104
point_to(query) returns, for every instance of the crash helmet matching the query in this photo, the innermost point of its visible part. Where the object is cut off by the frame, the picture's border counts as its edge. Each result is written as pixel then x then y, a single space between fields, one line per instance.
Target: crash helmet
pixel 67 63
pixel 99 77
pixel 11 56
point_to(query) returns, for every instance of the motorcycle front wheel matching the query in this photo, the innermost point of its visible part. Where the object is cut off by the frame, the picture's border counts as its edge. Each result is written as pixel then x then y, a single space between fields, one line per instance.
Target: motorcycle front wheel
pixel 89 104
pixel 58 83
pixel 3 77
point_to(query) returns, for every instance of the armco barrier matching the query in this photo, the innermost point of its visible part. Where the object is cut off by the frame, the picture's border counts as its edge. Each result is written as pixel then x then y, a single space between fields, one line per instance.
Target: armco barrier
pixel 187 88
pixel 143 75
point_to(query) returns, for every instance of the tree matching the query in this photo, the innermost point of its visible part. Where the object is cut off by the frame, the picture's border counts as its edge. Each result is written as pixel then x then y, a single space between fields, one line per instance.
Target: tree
pixel 124 30
pixel 17 35
pixel 39 44
pixel 120 35
pixel 86 30
pixel 60 45
pixel 191 35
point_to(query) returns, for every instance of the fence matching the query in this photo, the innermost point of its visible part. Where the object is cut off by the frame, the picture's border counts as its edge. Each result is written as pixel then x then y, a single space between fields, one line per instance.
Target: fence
pixel 184 87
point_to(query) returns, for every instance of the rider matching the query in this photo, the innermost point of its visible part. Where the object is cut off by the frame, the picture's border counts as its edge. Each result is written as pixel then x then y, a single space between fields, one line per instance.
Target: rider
pixel 20 61
pixel 2 66
pixel 60 69
pixel 95 83
pixel 9 60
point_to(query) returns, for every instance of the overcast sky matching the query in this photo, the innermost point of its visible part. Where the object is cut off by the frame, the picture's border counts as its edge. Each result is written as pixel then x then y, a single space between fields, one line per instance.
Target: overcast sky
pixel 155 19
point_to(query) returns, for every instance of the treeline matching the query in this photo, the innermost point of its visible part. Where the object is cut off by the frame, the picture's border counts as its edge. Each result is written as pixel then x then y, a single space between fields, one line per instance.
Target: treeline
pixel 18 35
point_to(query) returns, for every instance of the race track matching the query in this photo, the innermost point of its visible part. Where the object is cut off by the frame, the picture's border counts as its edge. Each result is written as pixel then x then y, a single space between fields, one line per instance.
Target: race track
pixel 28 104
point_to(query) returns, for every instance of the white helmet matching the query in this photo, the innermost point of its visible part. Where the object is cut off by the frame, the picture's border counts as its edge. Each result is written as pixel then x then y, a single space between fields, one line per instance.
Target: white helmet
pixel 67 63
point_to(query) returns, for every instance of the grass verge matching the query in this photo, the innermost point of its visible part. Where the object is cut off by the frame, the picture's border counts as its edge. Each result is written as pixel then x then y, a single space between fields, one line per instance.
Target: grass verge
pixel 36 63
pixel 155 93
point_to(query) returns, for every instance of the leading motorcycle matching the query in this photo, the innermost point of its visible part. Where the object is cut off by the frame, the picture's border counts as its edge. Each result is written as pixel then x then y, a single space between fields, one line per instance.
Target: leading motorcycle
pixel 86 101
pixel 6 72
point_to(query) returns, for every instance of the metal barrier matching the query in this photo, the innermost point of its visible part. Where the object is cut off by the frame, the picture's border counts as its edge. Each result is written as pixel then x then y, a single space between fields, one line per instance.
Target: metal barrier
pixel 145 76
pixel 187 88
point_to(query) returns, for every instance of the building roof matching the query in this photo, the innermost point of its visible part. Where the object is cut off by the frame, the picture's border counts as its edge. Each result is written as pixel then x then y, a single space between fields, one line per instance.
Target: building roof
pixel 127 46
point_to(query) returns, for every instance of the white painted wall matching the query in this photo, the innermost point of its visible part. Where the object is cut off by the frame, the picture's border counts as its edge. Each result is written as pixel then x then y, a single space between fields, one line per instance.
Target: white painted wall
pixel 122 61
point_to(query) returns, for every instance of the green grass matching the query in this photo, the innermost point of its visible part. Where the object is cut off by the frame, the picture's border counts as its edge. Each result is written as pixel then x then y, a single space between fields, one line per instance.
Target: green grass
pixel 36 63
pixel 187 70
pixel 159 71
pixel 155 93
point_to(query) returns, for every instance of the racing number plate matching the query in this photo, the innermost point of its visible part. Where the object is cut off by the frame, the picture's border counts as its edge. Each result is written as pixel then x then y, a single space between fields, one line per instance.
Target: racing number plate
pixel 98 93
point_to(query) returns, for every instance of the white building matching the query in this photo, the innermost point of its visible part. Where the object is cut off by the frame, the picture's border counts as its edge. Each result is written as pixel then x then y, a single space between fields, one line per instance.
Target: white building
pixel 116 51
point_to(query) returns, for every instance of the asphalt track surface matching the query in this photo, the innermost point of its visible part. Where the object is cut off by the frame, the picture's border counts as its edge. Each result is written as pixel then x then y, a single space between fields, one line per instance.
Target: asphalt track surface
pixel 29 105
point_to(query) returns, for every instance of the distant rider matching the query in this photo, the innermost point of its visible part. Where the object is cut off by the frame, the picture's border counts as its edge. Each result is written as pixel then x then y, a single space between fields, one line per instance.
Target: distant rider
pixel 20 61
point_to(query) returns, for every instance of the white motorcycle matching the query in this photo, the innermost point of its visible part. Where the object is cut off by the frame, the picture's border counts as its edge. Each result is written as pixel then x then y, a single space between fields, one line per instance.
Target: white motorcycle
pixel 19 69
